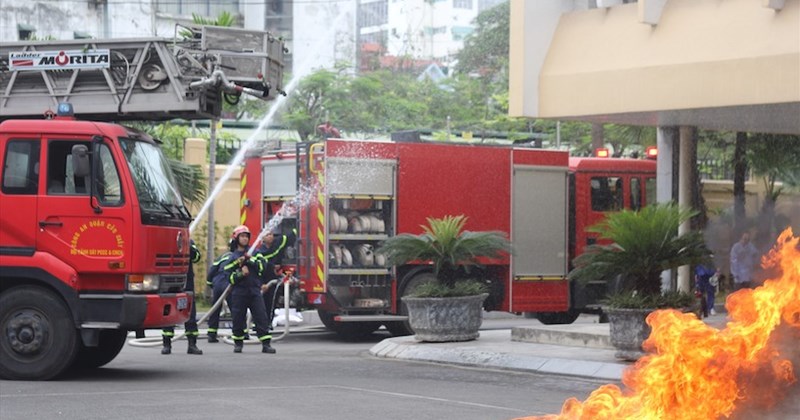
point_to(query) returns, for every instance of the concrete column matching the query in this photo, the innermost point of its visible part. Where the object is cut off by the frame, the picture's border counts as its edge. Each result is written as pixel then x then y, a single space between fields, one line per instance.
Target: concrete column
pixel 685 196
pixel 665 141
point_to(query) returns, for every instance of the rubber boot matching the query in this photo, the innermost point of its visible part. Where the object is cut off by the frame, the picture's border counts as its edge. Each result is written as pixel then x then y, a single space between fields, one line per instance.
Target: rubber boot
pixel 266 348
pixel 238 345
pixel 193 345
pixel 212 337
pixel 167 349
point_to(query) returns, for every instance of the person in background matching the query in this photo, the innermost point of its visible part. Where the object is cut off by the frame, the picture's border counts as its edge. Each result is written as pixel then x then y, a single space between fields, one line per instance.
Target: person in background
pixel 273 249
pixel 702 277
pixel 744 257
pixel 218 282
pixel 244 273
pixel 191 323
pixel 328 131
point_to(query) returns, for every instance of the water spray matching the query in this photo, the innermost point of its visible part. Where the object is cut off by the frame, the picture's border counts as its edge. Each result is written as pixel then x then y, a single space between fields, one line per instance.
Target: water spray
pixel 304 69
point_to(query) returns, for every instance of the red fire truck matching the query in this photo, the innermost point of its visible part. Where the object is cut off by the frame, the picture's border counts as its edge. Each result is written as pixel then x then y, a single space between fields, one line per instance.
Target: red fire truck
pixel 94 237
pixel 367 191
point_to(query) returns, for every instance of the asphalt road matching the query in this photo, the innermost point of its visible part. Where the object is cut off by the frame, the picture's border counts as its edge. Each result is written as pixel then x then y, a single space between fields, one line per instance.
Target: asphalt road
pixel 315 375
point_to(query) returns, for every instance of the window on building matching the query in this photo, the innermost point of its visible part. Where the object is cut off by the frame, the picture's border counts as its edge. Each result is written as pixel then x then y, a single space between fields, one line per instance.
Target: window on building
pixel 462 4
pixel 607 193
pixel 488 4
pixel 21 168
pixel 25 32
pixel 461 32
pixel 374 13
pixel 431 30
pixel 210 8
pixel 379 38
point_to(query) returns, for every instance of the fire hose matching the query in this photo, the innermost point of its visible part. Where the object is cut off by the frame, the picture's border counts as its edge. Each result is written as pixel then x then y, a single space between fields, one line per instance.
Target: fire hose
pixel 287 280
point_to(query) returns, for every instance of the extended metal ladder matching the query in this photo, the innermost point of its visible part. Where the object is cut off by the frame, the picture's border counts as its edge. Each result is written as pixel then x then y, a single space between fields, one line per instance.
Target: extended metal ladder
pixel 141 78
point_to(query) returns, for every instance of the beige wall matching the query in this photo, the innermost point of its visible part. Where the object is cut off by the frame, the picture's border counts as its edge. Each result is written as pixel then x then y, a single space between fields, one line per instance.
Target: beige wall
pixel 721 65
pixel 226 204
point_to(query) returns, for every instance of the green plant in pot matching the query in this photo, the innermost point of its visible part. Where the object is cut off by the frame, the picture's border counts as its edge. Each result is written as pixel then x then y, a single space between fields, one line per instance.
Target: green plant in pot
pixel 445 302
pixel 644 243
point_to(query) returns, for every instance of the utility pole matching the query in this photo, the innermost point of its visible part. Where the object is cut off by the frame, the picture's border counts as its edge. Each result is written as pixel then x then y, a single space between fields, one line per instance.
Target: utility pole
pixel 212 175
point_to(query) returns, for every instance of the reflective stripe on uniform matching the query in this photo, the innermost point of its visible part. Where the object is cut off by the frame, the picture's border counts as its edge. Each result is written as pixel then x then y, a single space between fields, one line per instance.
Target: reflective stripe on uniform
pixel 237 337
pixel 265 337
pixel 192 333
pixel 212 330
pixel 167 333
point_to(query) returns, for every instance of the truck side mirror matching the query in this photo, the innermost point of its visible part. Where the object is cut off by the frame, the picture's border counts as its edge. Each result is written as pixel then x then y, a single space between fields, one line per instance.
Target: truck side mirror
pixel 80 160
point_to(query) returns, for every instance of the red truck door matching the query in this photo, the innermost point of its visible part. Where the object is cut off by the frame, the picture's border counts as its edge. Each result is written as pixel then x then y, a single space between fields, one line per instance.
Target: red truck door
pixel 96 240
pixel 18 195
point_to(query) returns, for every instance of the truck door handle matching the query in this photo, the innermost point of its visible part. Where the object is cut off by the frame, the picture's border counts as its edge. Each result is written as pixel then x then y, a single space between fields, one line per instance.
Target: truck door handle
pixel 43 223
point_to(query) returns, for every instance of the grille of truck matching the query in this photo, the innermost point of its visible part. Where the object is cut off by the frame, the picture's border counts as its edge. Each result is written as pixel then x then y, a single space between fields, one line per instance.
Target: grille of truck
pixel 179 261
pixel 172 283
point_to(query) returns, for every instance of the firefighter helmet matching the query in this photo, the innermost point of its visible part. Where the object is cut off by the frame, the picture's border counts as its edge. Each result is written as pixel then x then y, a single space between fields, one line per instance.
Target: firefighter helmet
pixel 240 230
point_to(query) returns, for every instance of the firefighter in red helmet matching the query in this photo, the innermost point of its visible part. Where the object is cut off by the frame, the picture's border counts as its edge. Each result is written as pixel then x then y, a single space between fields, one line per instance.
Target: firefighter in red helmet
pixel 245 273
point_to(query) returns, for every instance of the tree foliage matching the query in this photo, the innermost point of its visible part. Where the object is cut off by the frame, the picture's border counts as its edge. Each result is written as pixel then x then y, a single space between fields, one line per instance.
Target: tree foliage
pixel 485 51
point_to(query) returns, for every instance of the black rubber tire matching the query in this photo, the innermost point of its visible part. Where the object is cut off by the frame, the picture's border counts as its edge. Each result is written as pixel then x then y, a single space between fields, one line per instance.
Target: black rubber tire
pixel 109 346
pixel 400 328
pixel 347 330
pixel 557 318
pixel 27 311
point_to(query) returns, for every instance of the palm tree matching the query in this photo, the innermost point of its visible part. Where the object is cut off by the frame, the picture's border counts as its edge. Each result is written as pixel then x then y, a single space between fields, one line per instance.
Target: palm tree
pixel 191 181
pixel 447 246
pixel 644 243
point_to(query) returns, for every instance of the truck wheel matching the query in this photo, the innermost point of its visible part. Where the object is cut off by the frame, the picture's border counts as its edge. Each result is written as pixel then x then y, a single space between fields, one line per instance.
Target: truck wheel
pixel 347 330
pixel 399 328
pixel 554 318
pixel 109 346
pixel 39 339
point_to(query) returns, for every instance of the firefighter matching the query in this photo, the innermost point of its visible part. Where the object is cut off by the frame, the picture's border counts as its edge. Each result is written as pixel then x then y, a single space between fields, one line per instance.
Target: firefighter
pixel 328 131
pixel 273 249
pixel 217 281
pixel 191 323
pixel 244 273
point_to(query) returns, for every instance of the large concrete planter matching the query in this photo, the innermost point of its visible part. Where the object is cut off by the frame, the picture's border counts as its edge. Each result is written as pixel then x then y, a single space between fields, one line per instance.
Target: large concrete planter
pixel 445 319
pixel 628 331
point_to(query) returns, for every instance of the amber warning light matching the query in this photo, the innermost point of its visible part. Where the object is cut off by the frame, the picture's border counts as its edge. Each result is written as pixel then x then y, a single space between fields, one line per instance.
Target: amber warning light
pixel 651 152
pixel 601 152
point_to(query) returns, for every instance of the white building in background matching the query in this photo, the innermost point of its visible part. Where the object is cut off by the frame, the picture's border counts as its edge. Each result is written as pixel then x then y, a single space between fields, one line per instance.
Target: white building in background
pixel 420 28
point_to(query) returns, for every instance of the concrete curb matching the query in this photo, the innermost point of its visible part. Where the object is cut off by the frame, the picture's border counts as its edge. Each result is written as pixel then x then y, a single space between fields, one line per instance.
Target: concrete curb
pixel 489 355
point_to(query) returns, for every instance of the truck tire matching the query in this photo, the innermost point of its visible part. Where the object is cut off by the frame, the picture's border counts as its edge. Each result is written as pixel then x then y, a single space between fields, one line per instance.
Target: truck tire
pixel 555 318
pixel 39 340
pixel 109 346
pixel 400 328
pixel 347 330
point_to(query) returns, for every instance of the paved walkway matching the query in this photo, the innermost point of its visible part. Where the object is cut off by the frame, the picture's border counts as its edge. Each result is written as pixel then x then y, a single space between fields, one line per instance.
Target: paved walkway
pixel 577 349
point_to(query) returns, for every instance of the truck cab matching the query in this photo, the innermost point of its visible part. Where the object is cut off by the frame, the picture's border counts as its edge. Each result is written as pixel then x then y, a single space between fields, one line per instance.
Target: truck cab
pixel 93 243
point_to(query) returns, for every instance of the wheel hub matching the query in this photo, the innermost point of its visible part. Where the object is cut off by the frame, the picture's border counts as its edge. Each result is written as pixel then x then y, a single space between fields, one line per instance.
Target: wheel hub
pixel 26 333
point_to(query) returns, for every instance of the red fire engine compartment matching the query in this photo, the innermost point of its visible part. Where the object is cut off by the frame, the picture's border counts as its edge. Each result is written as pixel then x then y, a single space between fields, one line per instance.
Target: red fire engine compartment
pixel 370 190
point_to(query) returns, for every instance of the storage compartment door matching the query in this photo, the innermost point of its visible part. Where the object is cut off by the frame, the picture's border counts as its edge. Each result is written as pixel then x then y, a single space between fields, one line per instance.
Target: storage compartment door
pixel 279 178
pixel 539 222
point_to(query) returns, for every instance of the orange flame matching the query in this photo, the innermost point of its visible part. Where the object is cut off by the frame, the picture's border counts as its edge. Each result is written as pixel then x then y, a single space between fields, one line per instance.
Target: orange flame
pixel 694 371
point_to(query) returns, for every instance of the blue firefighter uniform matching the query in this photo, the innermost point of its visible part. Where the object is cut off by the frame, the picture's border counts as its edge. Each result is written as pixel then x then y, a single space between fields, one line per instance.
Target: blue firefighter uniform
pixel 191 323
pixel 246 294
pixel 273 249
pixel 217 281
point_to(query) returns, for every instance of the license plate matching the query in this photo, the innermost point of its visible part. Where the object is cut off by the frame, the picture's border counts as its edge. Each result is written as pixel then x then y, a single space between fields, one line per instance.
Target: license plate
pixel 183 303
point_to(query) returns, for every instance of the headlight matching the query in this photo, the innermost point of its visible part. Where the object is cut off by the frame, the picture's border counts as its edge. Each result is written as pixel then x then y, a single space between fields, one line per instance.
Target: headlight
pixel 142 282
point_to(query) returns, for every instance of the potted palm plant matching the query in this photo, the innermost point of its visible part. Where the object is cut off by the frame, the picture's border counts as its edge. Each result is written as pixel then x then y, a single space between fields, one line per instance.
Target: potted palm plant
pixel 644 243
pixel 448 306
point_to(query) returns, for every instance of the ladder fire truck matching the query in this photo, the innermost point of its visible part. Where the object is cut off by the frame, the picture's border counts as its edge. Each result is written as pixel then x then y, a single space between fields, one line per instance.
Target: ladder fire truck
pixel 94 237
pixel 368 191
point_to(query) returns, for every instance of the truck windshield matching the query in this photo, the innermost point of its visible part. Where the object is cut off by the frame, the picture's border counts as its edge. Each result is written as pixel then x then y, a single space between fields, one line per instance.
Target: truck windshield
pixel 159 197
